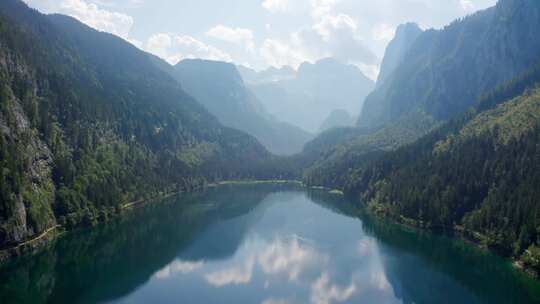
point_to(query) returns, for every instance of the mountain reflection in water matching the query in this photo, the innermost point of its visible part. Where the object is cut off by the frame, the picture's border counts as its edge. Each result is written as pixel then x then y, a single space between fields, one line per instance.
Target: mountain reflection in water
pixel 260 244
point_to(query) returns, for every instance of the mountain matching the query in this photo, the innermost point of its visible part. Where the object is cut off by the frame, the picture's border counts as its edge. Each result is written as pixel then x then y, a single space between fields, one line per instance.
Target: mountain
pixel 337 119
pixel 88 123
pixel 445 71
pixel 477 174
pixel 271 74
pixel 443 74
pixel 314 92
pixel 330 80
pixel 396 50
pixel 439 151
pixel 221 90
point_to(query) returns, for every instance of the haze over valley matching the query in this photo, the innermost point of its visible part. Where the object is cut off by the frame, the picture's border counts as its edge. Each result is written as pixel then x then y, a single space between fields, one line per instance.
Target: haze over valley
pixel 269 151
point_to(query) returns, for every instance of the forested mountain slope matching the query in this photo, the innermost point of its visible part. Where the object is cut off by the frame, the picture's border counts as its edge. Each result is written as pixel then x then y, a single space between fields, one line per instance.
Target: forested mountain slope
pixel 397 49
pixel 87 123
pixel 479 174
pixel 442 74
pixel 220 88
pixel 445 71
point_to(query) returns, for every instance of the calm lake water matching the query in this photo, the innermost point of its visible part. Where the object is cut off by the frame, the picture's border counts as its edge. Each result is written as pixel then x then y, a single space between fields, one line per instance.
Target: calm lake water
pixel 266 244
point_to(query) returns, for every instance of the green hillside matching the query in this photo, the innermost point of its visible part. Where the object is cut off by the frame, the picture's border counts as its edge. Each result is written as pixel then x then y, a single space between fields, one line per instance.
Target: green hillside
pixel 88 123
pixel 478 174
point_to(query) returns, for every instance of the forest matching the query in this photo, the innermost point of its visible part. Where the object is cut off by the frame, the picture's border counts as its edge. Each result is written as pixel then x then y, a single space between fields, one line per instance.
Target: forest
pixel 85 130
pixel 477 174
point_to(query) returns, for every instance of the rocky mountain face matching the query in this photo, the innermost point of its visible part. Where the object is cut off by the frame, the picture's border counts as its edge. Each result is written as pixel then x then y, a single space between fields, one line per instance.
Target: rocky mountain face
pixel 445 71
pixel 443 74
pixel 450 139
pixel 220 88
pixel 396 50
pixel 88 123
pixel 316 90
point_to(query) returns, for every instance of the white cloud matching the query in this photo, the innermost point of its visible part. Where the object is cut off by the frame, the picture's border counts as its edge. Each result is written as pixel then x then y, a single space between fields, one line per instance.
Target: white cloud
pixel 287 258
pixel 323 292
pixel 349 30
pixel 89 13
pixel 278 53
pixel 329 24
pixel 320 8
pixel 275 301
pixel 233 35
pixel 383 32
pixel 467 5
pixel 159 44
pixel 180 267
pixel 174 48
pixel 93 15
pixel 125 3
pixel 335 36
pixel 380 281
pixel 332 34
pixel 235 276
pixel 275 6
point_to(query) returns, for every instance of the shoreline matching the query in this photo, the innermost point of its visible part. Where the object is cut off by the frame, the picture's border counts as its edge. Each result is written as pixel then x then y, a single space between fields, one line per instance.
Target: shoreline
pixel 35 244
pixel 31 245
pixel 51 234
pixel 457 232
pixel 256 182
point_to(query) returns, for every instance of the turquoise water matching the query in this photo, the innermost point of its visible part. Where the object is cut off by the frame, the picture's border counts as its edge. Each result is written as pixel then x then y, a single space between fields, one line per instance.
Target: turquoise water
pixel 260 244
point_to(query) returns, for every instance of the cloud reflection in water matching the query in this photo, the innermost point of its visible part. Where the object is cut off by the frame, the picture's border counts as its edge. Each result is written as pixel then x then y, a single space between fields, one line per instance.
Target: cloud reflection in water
pixel 282 267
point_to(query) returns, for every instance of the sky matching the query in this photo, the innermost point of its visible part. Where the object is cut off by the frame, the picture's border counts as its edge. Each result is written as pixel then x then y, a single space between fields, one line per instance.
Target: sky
pixel 263 33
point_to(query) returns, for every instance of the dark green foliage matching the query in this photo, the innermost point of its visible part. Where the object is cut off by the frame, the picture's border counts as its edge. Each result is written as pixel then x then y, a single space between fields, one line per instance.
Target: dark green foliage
pixel 88 123
pixel 478 173
pixel 434 76
pixel 337 153
pixel 508 90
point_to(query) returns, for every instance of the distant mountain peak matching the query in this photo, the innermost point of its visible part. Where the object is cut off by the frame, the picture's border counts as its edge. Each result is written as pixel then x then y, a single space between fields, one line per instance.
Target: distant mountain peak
pixel 328 67
pixel 443 72
pixel 405 36
pixel 406 28
pixel 213 69
pixel 271 74
pixel 220 88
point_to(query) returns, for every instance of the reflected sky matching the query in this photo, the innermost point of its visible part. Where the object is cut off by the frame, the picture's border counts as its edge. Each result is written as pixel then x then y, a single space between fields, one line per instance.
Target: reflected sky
pixel 268 244
pixel 296 252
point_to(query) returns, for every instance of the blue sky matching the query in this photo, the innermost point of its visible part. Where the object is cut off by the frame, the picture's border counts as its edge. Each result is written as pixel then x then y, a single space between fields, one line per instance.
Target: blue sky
pixel 260 33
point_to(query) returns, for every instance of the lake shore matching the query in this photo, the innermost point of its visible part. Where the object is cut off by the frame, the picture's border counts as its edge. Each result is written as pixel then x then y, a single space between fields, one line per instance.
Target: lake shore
pixel 33 245
pixel 458 232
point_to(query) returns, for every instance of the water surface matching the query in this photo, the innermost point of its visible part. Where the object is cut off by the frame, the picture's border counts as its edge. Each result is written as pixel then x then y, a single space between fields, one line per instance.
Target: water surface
pixel 267 244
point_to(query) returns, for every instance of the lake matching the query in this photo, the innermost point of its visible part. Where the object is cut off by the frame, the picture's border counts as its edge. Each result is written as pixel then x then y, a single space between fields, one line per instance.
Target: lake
pixel 262 244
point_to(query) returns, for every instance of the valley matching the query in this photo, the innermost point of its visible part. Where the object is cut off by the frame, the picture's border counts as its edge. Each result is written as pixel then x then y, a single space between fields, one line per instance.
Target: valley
pixel 429 164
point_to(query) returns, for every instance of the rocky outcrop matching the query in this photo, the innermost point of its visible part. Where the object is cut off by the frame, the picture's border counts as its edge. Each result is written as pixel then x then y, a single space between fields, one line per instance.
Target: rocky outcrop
pixel 445 71
pixel 28 210
pixel 405 36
